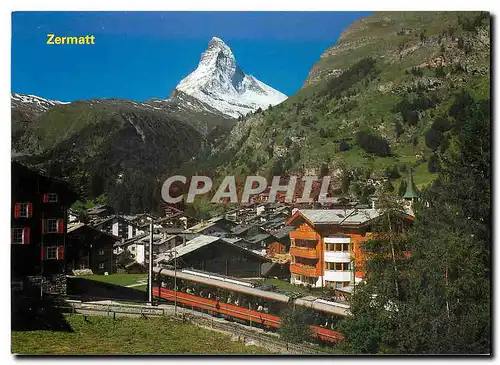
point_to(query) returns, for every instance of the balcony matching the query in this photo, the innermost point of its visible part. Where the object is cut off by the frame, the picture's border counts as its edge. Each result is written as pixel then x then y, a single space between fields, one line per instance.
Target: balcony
pixel 331 275
pixel 308 253
pixel 336 256
pixel 305 270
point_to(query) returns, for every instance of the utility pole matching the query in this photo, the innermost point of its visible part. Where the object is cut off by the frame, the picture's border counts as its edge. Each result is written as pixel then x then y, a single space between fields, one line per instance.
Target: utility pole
pixel 150 281
pixel 175 275
pixel 42 256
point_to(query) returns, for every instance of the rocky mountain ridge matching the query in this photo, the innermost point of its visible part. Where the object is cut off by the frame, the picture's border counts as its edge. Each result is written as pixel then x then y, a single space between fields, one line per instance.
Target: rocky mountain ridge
pixel 368 105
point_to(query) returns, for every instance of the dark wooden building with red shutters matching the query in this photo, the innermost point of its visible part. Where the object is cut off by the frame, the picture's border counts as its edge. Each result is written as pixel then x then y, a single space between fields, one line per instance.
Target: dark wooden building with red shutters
pixel 38 230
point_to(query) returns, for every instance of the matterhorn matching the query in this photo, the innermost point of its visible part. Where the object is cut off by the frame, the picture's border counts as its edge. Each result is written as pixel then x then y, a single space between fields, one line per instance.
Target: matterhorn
pixel 221 84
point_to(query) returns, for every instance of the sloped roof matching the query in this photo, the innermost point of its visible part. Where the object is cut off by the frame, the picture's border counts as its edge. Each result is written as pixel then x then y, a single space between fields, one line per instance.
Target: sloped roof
pixel 204 225
pixel 283 232
pixel 199 242
pixel 339 216
pixel 241 228
pixel 195 244
pixel 77 226
pixel 258 237
pixel 114 216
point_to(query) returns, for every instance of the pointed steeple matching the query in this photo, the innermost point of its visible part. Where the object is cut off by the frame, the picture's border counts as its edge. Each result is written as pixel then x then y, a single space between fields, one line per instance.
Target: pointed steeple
pixel 411 189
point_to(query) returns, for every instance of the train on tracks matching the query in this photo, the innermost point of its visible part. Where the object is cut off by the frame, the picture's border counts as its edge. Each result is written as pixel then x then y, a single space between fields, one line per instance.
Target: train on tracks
pixel 243 302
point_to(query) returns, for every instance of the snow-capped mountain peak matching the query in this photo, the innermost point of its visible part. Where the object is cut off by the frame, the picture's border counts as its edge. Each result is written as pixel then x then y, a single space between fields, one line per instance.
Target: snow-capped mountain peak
pixel 220 83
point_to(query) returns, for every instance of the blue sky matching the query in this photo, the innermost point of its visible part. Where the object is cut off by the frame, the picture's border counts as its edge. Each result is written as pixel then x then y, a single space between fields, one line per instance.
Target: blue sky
pixel 141 55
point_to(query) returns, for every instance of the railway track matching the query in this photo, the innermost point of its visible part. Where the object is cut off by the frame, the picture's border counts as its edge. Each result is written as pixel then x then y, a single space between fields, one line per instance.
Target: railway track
pixel 237 331
pixel 259 338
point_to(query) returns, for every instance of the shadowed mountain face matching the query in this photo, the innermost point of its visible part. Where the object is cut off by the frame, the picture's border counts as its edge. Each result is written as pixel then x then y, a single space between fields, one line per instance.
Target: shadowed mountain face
pixel 119 148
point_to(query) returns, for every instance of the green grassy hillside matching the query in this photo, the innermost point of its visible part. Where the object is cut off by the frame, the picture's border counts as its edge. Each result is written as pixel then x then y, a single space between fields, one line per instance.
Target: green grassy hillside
pixel 113 148
pixel 369 102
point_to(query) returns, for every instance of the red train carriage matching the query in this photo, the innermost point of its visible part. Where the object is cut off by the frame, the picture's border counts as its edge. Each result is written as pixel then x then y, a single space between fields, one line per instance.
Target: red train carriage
pixel 229 297
pixel 326 316
pixel 238 300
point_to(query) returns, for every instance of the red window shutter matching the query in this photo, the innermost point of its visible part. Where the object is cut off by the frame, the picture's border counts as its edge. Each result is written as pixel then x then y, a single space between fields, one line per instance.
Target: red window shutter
pixel 45 198
pixel 60 226
pixel 30 210
pixel 44 253
pixel 43 226
pixel 60 252
pixel 17 210
pixel 26 235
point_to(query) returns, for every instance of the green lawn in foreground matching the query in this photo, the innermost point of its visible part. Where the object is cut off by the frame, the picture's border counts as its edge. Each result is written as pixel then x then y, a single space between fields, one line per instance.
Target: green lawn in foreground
pixel 119 279
pixel 127 335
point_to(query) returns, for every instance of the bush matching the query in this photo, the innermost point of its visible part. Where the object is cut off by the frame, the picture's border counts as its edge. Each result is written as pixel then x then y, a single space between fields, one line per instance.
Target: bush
pixel 362 70
pixel 326 132
pixel 460 109
pixel 441 124
pixel 294 325
pixel 392 172
pixel 344 146
pixel 398 128
pixel 445 143
pixel 471 23
pixel 417 71
pixel 402 187
pixel 411 117
pixel 433 164
pixel 440 72
pixel 433 139
pixel 388 187
pixel 373 144
pixel 409 108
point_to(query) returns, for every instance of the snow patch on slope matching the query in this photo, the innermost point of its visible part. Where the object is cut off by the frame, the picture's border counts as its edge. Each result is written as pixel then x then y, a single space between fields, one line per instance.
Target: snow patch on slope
pixel 40 102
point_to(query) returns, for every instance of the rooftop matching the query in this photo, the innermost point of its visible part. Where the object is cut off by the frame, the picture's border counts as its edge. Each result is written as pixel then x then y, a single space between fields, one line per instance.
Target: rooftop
pixel 340 216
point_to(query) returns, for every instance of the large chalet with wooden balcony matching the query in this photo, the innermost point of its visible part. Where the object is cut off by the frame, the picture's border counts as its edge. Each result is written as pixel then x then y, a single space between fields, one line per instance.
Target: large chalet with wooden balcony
pixel 38 230
pixel 326 245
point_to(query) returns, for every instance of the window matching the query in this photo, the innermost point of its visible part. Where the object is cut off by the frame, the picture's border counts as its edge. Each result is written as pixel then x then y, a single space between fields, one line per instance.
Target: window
pixel 23 210
pixel 338 266
pixel 101 252
pixel 17 235
pixel 50 198
pixel 21 235
pixel 51 253
pixel 101 265
pixel 53 225
pixel 337 247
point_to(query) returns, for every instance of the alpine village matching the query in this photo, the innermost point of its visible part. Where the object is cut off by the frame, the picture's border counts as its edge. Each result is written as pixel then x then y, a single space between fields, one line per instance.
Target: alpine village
pixel 396 260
